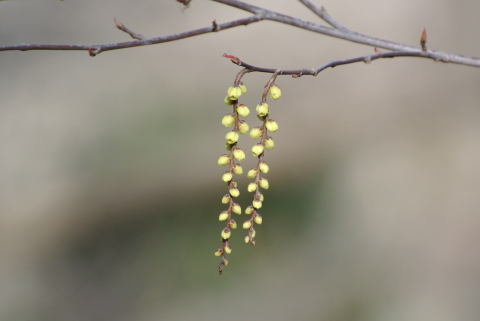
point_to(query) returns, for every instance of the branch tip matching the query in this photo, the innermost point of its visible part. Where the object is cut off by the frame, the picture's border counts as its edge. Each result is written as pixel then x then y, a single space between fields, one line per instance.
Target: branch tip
pixel 118 24
pixel 234 59
pixel 423 40
pixel 122 27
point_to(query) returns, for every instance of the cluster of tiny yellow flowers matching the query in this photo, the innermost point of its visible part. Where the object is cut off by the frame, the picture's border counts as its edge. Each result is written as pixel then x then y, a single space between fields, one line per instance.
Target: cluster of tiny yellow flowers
pixel 258 150
pixel 234 154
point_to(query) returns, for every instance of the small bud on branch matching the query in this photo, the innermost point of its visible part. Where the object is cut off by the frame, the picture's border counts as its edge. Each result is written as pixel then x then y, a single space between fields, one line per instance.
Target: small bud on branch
pixel 423 40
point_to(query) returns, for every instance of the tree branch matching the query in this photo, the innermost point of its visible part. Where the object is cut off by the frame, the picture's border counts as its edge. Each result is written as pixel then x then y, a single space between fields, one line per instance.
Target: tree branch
pixel 264 14
pixel 349 35
pixel 323 14
pixel 96 49
pixel 315 71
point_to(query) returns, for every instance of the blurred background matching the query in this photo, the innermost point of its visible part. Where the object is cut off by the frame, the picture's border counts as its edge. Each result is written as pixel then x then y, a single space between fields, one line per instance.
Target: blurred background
pixel 110 189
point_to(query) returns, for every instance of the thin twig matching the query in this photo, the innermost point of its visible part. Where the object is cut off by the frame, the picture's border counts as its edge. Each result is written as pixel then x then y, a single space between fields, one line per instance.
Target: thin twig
pixel 122 27
pixel 147 41
pixel 315 71
pixel 348 35
pixel 260 14
pixel 323 14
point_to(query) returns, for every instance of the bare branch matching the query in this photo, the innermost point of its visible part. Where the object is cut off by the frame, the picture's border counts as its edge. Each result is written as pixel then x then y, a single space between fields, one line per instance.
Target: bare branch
pixel 349 35
pixel 122 27
pixel 147 41
pixel 323 14
pixel 315 71
pixel 262 14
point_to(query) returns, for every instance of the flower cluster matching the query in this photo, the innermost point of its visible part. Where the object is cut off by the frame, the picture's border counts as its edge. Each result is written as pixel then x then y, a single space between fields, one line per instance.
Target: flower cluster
pixel 234 154
pixel 258 150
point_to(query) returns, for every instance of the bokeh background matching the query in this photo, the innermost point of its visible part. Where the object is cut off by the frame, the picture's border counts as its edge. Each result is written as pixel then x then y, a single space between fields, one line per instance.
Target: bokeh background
pixel 110 191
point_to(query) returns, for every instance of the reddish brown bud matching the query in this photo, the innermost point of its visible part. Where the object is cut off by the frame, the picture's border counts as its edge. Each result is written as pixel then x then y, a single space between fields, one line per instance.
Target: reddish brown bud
pixel 234 59
pixel 423 40
pixel 118 24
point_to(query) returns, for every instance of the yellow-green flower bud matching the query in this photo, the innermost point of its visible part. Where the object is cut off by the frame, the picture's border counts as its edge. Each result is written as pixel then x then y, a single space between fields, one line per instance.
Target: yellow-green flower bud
pixel 269 143
pixel 247 224
pixel 228 101
pixel 271 125
pixel 234 192
pixel 243 127
pixel 226 199
pixel 224 160
pixel 256 132
pixel 243 110
pixel 249 210
pixel 227 177
pixel 228 249
pixel 260 197
pixel 263 183
pixel 236 209
pixel 232 224
pixel 247 240
pixel 275 92
pixel 257 203
pixel 238 154
pixel 252 187
pixel 262 109
pixel 223 216
pixel 257 149
pixel 264 167
pixel 225 261
pixel 237 169
pixel 258 219
pixel 252 173
pixel 228 146
pixel 228 120
pixel 218 252
pixel 234 92
pixel 226 233
pixel 234 184
pixel 232 137
pixel 243 89
pixel 253 233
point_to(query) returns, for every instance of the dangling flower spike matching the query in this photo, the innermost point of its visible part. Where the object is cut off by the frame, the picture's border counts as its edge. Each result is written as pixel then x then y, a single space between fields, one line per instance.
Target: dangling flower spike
pixel 235 154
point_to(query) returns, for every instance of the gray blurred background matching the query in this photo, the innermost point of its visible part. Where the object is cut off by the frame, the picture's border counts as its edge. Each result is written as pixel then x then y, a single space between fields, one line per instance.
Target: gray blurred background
pixel 110 191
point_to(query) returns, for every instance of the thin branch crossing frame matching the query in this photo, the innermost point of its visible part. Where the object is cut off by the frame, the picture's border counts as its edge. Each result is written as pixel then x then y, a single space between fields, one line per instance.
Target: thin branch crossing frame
pixel 336 30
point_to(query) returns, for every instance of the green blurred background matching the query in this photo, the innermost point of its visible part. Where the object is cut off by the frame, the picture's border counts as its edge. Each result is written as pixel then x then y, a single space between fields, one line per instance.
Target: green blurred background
pixel 110 191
